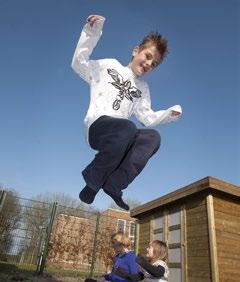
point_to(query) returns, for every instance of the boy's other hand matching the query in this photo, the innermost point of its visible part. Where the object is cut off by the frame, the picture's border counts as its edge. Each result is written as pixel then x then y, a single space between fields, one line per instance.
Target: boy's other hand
pixel 120 272
pixel 140 260
pixel 93 18
pixel 175 113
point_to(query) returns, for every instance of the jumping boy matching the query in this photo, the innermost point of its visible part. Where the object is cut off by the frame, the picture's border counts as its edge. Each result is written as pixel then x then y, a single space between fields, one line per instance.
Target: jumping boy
pixel 116 92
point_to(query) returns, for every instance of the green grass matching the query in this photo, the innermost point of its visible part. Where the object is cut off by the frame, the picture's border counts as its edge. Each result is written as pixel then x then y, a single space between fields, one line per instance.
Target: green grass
pixel 70 272
pixel 66 272
pixel 30 270
pixel 17 268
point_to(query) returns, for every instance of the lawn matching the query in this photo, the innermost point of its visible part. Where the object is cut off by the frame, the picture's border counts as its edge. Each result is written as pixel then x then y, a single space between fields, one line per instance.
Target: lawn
pixel 22 272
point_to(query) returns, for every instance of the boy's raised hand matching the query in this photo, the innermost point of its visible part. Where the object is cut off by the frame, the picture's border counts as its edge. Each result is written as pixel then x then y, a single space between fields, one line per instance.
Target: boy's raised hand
pixel 93 18
pixel 175 113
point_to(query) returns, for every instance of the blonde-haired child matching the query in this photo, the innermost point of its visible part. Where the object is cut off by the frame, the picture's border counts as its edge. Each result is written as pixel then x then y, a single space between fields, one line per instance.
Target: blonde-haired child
pixel 124 258
pixel 154 267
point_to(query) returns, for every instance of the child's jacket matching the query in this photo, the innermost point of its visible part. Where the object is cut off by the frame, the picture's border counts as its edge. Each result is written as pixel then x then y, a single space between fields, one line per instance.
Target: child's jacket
pixel 127 262
pixel 114 89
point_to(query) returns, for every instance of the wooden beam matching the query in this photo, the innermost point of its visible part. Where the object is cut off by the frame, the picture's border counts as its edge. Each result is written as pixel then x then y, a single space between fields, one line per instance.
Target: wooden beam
pixel 212 239
pixel 151 227
pixel 184 244
pixel 136 239
pixel 165 226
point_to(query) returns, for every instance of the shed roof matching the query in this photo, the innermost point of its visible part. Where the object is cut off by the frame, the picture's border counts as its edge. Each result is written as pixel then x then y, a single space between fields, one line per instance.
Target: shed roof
pixel 204 184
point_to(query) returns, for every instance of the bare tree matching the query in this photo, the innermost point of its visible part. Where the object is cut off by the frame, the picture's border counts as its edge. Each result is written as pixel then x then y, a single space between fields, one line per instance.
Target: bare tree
pixel 105 252
pixel 71 240
pixel 63 200
pixel 10 217
pixel 37 218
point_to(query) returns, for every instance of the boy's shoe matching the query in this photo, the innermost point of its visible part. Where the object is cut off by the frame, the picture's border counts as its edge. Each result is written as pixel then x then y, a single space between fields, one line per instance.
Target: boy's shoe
pixel 118 200
pixel 87 195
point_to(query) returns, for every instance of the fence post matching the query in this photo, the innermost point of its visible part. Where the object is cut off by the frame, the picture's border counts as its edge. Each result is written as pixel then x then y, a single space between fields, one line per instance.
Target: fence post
pixel 44 248
pixel 94 245
pixel 3 195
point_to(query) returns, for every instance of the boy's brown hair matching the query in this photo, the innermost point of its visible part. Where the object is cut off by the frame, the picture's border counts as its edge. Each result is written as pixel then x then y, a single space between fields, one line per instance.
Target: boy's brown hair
pixel 120 239
pixel 159 249
pixel 156 39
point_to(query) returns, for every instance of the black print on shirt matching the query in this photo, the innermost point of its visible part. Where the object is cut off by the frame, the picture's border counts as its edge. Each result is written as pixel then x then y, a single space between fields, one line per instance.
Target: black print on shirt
pixel 124 87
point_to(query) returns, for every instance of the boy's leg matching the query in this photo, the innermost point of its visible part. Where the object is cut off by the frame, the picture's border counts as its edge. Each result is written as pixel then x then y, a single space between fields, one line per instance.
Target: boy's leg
pixel 112 137
pixel 146 143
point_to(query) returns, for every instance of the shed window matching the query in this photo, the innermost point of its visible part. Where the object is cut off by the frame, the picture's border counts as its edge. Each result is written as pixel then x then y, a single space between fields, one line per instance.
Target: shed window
pixel 131 230
pixel 158 236
pixel 175 274
pixel 168 228
pixel 174 218
pixel 174 255
pixel 174 236
pixel 121 225
pixel 158 223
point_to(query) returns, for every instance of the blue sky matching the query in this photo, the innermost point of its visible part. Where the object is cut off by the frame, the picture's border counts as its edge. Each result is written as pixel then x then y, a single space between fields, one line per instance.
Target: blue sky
pixel 43 102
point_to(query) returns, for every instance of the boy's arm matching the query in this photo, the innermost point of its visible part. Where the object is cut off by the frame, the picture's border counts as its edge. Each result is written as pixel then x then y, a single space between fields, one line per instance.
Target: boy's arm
pixel 148 117
pixel 108 277
pixel 133 267
pixel 128 276
pixel 155 271
pixel 89 37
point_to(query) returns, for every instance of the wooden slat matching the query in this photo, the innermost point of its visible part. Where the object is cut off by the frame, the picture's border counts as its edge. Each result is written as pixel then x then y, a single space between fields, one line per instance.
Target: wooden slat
pixel 229 265
pixel 174 227
pixel 165 225
pixel 212 239
pixel 229 207
pixel 196 203
pixel 174 265
pixel 229 277
pixel 151 227
pixel 225 242
pixel 228 226
pixel 196 210
pixel 199 274
pixel 174 245
pixel 144 235
pixel 227 235
pixel 137 237
pixel 232 254
pixel 159 230
pixel 227 217
pixel 183 244
pixel 192 220
pixel 196 231
pixel 192 252
pixel 200 278
pixel 201 262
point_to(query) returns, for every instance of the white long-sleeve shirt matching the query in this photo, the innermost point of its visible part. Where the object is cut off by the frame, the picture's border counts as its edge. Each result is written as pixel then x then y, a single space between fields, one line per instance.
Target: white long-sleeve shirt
pixel 114 89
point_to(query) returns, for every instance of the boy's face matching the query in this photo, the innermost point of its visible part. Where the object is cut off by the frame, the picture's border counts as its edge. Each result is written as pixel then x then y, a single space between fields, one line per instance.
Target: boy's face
pixel 145 60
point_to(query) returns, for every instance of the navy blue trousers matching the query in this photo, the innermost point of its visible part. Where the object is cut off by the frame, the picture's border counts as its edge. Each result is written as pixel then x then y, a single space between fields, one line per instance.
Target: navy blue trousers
pixel 123 151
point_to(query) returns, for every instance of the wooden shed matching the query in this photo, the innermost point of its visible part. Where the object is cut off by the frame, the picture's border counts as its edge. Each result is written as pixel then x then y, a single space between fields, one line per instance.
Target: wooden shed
pixel 201 225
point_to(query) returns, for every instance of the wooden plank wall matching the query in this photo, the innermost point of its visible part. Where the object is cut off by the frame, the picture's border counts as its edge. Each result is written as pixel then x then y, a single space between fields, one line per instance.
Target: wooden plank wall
pixel 144 236
pixel 227 223
pixel 198 253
